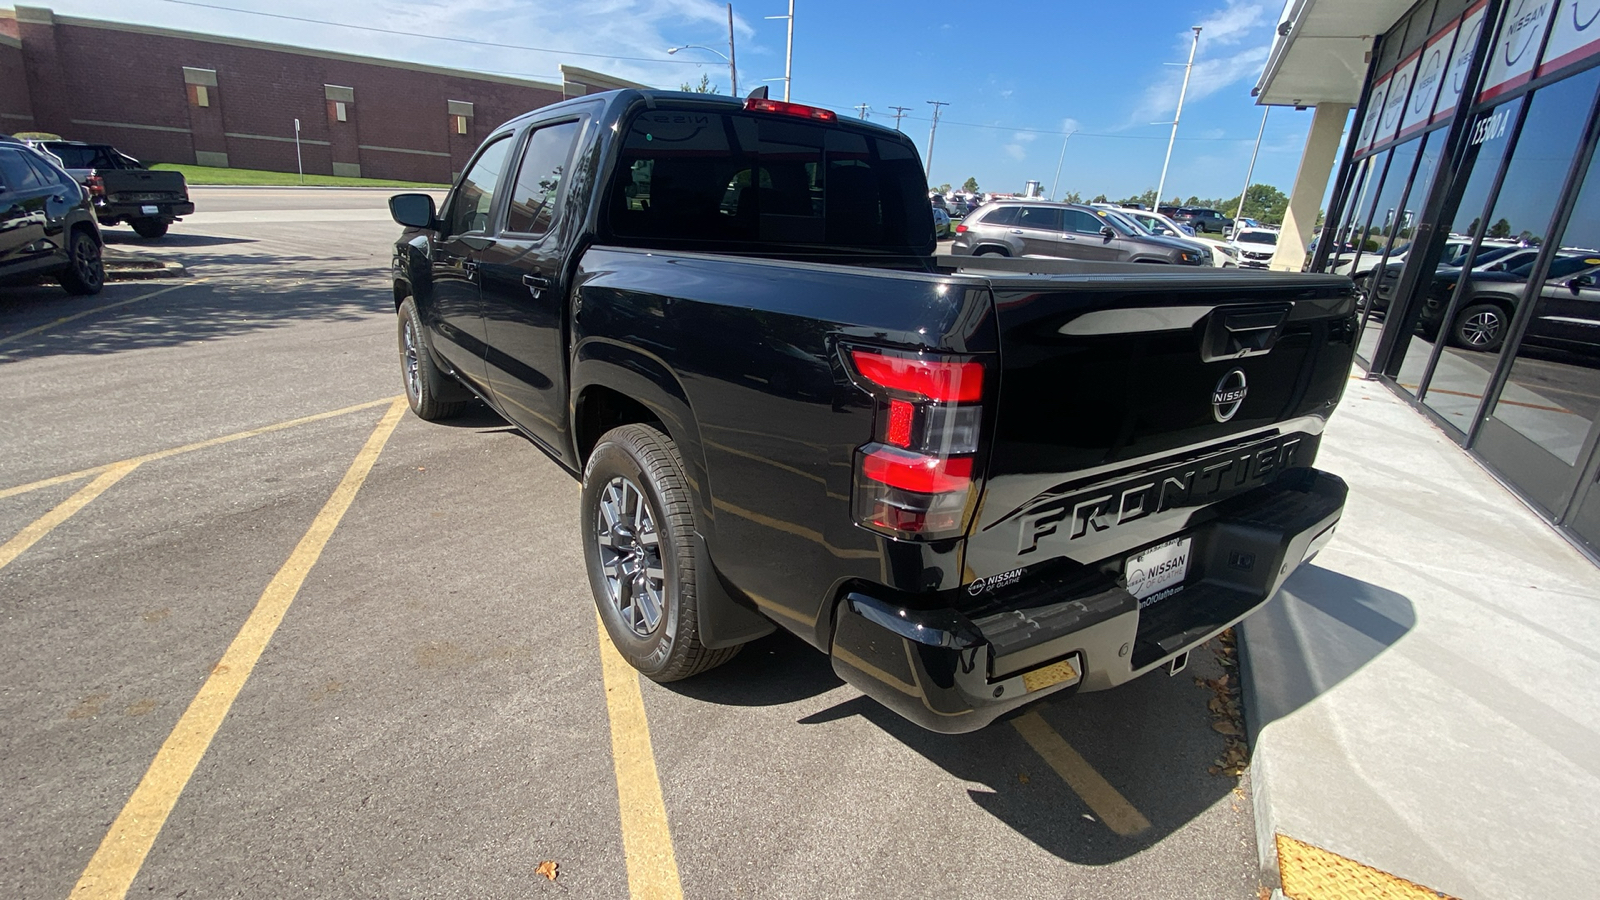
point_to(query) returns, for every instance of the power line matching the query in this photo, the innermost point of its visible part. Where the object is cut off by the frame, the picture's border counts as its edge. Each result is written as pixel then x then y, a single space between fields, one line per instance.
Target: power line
pixel 862 108
pixel 434 37
pixel 899 113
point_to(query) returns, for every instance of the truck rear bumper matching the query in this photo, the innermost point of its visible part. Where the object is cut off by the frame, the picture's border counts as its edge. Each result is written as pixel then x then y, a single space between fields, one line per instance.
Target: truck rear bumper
pixel 1082 629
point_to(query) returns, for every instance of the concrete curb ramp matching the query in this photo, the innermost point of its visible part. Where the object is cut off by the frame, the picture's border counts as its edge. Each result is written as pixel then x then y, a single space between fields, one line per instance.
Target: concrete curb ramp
pixel 122 265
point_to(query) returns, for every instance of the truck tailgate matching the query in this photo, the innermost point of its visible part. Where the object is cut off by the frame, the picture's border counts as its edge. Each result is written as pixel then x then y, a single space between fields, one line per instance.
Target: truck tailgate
pixel 1129 401
pixel 143 186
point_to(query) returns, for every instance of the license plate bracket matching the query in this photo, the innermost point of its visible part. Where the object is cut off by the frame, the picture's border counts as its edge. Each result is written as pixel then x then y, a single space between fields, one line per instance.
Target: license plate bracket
pixel 1153 574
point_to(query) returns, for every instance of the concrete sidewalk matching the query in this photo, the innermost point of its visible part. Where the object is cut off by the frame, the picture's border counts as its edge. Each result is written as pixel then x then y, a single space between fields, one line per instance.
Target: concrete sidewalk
pixel 1424 697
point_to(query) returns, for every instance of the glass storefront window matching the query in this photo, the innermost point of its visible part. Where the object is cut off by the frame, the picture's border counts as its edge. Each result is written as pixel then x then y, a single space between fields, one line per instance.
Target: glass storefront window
pixel 1378 287
pixel 1475 329
pixel 1387 217
pixel 1479 168
pixel 1341 255
pixel 1553 394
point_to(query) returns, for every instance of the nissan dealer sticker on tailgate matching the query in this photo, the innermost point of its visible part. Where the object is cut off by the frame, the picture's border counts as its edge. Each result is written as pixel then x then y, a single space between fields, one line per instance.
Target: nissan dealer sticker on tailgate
pixel 1161 567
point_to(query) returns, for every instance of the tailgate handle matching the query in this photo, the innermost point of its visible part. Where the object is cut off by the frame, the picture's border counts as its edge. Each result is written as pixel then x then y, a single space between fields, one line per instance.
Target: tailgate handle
pixel 1235 333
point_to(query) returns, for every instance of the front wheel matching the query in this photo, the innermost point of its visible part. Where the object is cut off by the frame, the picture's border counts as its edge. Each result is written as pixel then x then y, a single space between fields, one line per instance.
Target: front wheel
pixel 150 228
pixel 1481 326
pixel 638 545
pixel 425 383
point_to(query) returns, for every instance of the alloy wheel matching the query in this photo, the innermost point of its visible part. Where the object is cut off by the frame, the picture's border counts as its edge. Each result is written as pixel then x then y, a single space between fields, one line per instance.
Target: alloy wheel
pixel 630 556
pixel 1481 330
pixel 412 362
pixel 86 259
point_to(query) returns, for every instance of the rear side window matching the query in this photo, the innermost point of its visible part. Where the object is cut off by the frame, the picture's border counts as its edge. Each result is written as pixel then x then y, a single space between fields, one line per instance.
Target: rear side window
pixel 474 197
pixel 763 179
pixel 544 165
pixel 1005 215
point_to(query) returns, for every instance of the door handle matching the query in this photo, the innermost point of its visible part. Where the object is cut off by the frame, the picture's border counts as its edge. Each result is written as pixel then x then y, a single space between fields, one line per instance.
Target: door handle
pixel 1016 231
pixel 536 283
pixel 469 266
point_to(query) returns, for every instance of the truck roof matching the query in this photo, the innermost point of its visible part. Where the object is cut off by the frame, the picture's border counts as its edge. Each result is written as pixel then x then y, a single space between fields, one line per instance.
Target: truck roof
pixel 623 99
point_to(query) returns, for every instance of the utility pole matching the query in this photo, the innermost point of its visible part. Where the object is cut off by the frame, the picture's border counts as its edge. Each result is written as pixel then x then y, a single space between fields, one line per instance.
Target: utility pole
pixel 937 104
pixel 1162 184
pixel 1057 182
pixel 733 69
pixel 862 108
pixel 1252 170
pixel 899 113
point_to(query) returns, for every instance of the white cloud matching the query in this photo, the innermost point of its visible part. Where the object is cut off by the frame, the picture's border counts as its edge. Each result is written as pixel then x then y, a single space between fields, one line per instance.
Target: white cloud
pixel 1231 24
pixel 1234 43
pixel 1018 148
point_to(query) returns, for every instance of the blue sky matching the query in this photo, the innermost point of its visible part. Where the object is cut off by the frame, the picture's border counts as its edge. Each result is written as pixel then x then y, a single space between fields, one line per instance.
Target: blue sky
pixel 1017 75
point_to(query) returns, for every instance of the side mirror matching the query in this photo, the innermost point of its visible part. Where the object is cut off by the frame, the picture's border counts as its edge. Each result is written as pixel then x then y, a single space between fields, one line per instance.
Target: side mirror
pixel 412 210
pixel 1107 233
pixel 1578 282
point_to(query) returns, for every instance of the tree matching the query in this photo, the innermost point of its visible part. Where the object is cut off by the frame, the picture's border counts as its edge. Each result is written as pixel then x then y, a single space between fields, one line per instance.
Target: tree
pixel 704 87
pixel 1500 229
pixel 1263 202
pixel 1099 198
pixel 1072 197
pixel 970 186
pixel 944 188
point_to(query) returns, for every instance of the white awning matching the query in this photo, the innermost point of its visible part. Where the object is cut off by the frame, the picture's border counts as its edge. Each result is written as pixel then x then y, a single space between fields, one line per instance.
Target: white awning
pixel 1321 52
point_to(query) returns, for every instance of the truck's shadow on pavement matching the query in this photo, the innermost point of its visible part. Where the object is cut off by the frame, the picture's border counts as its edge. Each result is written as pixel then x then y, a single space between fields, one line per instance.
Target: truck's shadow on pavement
pixel 1152 739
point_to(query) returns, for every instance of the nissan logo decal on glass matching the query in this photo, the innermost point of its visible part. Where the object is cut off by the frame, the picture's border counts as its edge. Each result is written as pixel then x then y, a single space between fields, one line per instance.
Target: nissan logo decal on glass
pixel 1229 395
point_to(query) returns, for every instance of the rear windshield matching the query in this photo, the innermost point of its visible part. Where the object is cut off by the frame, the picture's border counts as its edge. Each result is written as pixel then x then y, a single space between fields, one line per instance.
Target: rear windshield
pixel 1257 237
pixel 84 157
pixel 695 177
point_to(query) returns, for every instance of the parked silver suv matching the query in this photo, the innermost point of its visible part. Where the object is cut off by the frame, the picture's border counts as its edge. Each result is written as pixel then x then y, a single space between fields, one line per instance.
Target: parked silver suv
pixel 1070 231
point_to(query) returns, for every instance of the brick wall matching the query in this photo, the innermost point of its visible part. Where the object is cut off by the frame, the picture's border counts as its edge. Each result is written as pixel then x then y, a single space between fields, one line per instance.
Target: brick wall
pixel 137 88
pixel 16 109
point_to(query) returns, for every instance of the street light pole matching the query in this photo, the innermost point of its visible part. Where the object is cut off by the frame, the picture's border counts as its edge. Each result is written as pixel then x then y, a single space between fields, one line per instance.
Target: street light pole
pixel 1252 170
pixel 937 104
pixel 1063 158
pixel 788 56
pixel 1162 184
pixel 733 69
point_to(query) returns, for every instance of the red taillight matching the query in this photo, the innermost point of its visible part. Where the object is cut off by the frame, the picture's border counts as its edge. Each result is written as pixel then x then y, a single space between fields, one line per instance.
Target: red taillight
pixel 97 186
pixel 915 479
pixel 757 104
pixel 917 472
pixel 961 229
pixel 938 380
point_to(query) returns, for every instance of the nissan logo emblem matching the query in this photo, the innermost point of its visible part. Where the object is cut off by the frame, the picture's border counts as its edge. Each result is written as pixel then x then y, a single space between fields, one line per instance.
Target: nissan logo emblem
pixel 1229 395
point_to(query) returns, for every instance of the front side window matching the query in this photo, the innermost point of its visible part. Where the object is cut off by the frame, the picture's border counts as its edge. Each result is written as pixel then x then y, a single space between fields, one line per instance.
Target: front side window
pixel 544 163
pixel 474 197
pixel 1080 222
pixel 15 173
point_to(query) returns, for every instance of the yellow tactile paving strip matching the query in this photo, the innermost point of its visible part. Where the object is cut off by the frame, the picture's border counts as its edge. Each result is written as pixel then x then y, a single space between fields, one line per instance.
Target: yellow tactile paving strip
pixel 1311 873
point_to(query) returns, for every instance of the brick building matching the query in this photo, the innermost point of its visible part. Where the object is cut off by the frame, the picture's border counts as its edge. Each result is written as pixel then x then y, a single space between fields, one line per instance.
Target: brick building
pixel 174 96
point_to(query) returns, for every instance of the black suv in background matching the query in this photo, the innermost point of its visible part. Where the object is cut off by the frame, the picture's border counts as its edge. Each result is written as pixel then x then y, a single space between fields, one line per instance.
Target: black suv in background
pixel 1068 231
pixel 47 225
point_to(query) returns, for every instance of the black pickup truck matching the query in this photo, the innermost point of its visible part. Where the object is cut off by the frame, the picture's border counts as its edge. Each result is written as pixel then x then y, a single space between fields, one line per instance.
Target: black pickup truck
pixel 971 481
pixel 122 189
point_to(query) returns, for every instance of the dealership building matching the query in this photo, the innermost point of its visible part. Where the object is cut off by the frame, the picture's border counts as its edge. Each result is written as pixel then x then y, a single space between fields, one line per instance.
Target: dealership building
pixel 174 96
pixel 1464 198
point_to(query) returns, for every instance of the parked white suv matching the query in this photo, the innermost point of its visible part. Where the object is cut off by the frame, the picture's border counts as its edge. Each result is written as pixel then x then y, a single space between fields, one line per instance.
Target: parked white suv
pixel 1254 246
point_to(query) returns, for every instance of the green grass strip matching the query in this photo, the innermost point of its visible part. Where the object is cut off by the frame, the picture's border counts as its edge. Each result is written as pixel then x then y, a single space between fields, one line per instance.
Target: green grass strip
pixel 209 175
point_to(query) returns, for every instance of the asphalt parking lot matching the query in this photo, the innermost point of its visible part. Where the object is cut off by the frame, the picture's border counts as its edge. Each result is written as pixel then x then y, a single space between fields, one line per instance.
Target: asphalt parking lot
pixel 263 633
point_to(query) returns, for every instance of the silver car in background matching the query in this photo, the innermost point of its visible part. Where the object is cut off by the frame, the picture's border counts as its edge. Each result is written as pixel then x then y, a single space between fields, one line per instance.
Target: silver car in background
pixel 1068 231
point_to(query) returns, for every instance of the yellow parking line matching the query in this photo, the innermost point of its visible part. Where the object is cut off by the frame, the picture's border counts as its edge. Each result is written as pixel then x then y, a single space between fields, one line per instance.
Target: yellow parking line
pixel 646 836
pixel 186 448
pixel 42 526
pixel 1112 808
pixel 112 869
pixel 89 312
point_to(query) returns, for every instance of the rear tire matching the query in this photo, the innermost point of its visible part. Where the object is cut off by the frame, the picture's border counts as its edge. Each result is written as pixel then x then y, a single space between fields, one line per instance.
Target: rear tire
pixel 85 273
pixel 991 251
pixel 1481 326
pixel 425 382
pixel 150 228
pixel 638 546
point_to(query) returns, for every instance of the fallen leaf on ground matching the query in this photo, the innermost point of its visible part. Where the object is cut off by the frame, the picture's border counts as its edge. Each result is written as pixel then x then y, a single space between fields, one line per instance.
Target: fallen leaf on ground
pixel 1226 727
pixel 547 869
